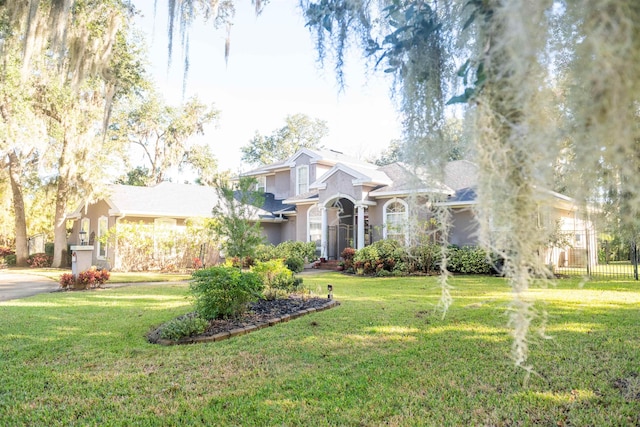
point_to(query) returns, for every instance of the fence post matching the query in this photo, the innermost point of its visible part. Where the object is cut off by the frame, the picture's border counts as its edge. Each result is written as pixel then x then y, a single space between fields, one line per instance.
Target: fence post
pixel 635 260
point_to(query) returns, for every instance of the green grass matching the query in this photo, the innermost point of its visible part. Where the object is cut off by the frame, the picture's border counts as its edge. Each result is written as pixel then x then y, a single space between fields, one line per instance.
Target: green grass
pixel 381 358
pixel 140 277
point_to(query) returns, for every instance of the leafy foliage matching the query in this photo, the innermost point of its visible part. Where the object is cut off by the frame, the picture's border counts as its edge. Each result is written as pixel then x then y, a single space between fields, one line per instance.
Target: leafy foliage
pixel 275 274
pixel 223 292
pixel 183 326
pixel 300 131
pixel 235 215
pixel 39 260
pixel 86 280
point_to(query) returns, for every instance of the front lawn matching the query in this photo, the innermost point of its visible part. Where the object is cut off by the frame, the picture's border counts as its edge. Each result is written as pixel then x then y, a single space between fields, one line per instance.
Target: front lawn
pixel 134 277
pixel 381 358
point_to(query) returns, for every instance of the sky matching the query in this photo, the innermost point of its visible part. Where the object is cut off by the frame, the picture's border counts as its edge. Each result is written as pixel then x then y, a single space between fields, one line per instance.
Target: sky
pixel 272 72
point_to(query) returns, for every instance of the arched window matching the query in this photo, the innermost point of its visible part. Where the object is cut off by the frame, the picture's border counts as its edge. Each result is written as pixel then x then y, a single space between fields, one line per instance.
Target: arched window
pixel 396 218
pixel 314 226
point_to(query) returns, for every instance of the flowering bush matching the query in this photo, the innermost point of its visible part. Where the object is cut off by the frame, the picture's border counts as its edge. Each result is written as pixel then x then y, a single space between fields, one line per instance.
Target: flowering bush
pixel 5 250
pixel 40 260
pixel 86 280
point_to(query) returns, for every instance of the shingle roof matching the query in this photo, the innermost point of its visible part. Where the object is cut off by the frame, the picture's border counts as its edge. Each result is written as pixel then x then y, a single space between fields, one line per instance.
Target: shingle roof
pixel 404 180
pixel 164 199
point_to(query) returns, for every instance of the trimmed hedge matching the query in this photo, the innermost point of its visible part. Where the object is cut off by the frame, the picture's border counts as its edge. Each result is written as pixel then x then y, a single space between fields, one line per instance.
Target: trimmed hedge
pixel 388 257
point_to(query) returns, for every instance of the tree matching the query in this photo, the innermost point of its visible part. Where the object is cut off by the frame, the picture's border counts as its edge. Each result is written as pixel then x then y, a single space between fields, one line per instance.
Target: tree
pixel 162 132
pixel 514 54
pixel 236 213
pixel 202 159
pixel 299 131
pixel 391 155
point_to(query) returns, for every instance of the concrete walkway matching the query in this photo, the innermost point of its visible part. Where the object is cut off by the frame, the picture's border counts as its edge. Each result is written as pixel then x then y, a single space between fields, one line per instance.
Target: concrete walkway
pixel 18 285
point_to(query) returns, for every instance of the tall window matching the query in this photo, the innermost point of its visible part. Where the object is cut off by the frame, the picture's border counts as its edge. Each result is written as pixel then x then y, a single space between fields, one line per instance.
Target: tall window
pixel 302 179
pixel 396 218
pixel 314 226
pixel 103 226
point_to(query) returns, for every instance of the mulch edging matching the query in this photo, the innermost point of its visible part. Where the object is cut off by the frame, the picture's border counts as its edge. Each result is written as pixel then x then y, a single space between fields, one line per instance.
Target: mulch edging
pixel 249 328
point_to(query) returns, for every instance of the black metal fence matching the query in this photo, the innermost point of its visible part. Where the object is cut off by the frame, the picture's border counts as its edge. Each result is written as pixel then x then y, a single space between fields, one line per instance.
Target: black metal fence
pixel 597 257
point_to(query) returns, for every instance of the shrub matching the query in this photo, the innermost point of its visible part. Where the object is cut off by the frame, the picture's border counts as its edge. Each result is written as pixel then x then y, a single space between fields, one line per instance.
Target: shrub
pixel 294 263
pixel 6 250
pixel 424 259
pixel 347 258
pixel 67 281
pixel 222 292
pixel 271 294
pixel 49 248
pixel 382 255
pixel 183 326
pixel 286 250
pixel 11 259
pixel 468 260
pixel 40 260
pixel 86 279
pixel 275 274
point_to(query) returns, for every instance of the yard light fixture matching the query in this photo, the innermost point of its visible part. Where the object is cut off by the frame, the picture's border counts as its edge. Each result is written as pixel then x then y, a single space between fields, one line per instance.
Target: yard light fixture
pixel 83 235
pixel 330 291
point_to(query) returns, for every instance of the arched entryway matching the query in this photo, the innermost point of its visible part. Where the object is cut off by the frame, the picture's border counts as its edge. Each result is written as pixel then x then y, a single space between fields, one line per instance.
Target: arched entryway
pixel 341 226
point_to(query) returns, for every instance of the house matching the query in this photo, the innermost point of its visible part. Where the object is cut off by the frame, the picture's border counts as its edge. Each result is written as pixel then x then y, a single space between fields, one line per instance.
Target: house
pixel 320 196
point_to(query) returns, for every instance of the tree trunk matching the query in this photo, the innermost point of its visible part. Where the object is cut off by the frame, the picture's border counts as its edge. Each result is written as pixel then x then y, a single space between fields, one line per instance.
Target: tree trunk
pixel 60 222
pixel 22 249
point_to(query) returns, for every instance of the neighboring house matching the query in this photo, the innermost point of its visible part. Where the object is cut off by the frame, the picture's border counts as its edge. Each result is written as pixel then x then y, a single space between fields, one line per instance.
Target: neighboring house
pixel 324 197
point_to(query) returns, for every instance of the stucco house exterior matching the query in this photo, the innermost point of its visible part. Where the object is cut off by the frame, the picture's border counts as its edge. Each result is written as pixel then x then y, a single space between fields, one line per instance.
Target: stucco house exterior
pixel 320 196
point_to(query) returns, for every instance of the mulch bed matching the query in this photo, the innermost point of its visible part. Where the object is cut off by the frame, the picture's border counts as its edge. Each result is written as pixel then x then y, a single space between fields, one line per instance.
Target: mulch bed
pixel 261 314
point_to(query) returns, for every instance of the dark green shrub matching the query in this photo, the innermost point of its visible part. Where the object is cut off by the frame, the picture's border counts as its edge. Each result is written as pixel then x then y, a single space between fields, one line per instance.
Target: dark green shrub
pixel 48 248
pixel 11 259
pixel 265 252
pixel 304 250
pixel 382 255
pixel 222 292
pixel 294 263
pixel 468 260
pixel 183 326
pixel 424 259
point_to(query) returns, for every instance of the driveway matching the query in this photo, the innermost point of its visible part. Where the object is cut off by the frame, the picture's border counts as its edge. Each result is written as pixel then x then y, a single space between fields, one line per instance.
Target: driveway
pixel 18 285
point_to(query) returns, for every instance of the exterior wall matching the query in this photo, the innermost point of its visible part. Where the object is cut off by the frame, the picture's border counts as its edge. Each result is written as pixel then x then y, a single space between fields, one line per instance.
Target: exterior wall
pixel 270 181
pixel 272 232
pixel 340 183
pixel 464 230
pixel 321 170
pixel 282 185
pixel 301 226
pixel 289 229
pixel 376 218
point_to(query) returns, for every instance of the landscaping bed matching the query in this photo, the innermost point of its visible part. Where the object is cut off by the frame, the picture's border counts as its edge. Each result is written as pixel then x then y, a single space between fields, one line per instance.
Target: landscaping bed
pixel 261 314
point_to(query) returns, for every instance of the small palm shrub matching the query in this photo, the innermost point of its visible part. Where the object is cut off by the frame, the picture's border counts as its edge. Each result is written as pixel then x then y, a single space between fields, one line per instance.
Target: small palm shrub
pixel 224 292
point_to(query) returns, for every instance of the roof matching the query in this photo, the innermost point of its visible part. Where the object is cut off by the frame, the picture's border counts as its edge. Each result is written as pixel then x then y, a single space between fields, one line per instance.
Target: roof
pixel 404 181
pixel 166 199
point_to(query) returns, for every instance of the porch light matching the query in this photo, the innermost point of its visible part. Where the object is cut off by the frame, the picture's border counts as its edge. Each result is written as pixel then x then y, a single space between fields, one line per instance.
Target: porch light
pixel 83 235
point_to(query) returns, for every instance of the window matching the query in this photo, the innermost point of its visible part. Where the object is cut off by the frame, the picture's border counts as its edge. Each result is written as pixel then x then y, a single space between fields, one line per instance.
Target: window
pixel 261 184
pixel 314 226
pixel 103 226
pixel 85 230
pixel 302 179
pixel 395 220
